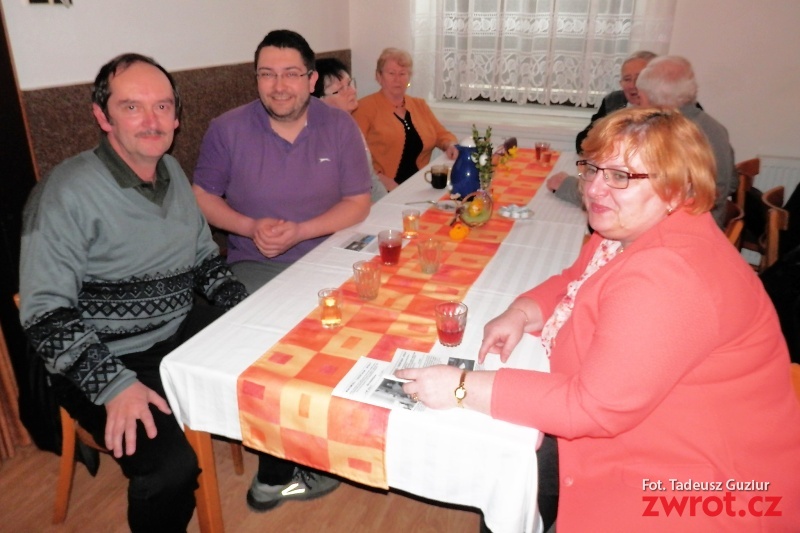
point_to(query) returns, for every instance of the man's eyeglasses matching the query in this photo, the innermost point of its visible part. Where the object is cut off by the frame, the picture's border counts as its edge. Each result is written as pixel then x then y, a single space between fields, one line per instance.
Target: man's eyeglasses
pixel 615 178
pixel 345 85
pixel 289 76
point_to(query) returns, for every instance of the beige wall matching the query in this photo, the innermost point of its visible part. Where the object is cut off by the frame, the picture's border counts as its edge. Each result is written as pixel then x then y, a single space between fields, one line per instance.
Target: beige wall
pixel 744 51
pixel 55 45
pixel 745 55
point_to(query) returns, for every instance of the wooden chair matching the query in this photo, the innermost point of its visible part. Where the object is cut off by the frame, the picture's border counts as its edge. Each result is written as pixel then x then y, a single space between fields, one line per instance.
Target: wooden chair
pixel 734 223
pixel 777 221
pixel 12 433
pixel 747 171
pixel 71 433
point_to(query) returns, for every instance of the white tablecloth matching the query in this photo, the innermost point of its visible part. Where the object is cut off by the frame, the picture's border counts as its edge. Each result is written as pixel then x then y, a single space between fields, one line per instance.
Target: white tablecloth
pixel 456 456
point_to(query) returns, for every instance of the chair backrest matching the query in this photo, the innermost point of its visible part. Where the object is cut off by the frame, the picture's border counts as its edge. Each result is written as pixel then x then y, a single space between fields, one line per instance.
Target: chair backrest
pixel 777 221
pixel 747 171
pixel 734 223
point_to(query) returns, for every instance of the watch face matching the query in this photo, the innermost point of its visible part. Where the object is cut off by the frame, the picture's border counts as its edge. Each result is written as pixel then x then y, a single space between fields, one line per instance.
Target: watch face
pixel 461 393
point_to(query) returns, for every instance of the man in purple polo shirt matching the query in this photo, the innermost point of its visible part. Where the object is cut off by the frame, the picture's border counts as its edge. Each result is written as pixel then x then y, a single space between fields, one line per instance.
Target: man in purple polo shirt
pixel 280 174
pixel 284 171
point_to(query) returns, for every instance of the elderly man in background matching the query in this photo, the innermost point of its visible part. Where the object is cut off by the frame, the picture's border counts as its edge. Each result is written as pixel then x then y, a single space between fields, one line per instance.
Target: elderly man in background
pixel 566 186
pixel 669 81
pixel 113 247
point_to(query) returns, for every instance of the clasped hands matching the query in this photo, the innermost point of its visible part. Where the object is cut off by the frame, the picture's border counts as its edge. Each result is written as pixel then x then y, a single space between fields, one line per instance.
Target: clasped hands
pixel 273 237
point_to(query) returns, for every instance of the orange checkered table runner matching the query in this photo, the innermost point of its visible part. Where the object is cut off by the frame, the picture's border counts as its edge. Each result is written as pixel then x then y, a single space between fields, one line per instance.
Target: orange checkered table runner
pixel 285 403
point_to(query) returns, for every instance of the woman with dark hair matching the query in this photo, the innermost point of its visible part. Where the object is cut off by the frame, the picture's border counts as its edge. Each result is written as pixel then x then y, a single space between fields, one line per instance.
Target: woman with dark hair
pixel 669 387
pixel 337 88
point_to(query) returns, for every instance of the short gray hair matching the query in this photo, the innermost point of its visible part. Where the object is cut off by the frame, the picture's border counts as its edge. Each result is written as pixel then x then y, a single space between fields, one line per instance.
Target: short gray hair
pixel 668 81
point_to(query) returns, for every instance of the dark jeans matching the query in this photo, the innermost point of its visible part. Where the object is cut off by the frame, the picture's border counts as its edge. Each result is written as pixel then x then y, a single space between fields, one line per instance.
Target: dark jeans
pixel 163 471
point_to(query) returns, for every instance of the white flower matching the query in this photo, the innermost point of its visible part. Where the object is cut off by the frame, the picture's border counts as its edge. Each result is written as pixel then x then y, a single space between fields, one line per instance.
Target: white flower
pixel 483 160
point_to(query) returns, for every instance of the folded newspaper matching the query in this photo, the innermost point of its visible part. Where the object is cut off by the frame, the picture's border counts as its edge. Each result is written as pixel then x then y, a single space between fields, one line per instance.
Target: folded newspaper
pixel 373 381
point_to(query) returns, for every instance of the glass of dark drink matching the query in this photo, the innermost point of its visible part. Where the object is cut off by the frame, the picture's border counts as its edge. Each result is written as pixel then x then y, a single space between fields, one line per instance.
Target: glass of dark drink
pixel 390 243
pixel 437 176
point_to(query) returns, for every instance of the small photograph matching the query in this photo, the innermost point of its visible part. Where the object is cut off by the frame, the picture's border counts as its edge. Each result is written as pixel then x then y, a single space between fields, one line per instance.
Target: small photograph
pixel 359 242
pixel 392 391
pixel 463 364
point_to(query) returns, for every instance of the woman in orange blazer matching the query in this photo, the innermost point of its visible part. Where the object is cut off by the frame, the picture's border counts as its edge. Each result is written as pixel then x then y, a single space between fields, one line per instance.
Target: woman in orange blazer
pixel 669 389
pixel 401 131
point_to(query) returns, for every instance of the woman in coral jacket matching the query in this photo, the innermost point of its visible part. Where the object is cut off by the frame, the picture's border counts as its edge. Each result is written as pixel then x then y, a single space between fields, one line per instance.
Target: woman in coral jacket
pixel 401 131
pixel 669 388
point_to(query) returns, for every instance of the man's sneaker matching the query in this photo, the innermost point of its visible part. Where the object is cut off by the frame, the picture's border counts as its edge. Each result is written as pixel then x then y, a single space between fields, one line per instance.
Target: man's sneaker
pixel 305 485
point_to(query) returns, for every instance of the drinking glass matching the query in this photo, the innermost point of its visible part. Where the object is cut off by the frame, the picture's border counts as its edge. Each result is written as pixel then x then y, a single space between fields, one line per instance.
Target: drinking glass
pixel 437 176
pixel 330 305
pixel 410 223
pixel 367 276
pixel 390 243
pixel 430 251
pixel 451 321
pixel 541 147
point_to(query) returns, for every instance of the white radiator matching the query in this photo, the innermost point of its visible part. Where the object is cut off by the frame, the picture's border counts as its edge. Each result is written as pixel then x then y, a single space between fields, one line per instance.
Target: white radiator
pixel 778 171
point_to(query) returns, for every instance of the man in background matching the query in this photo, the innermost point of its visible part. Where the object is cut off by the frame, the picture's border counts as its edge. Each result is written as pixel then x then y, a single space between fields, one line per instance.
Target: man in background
pixel 113 248
pixel 669 81
pixel 566 186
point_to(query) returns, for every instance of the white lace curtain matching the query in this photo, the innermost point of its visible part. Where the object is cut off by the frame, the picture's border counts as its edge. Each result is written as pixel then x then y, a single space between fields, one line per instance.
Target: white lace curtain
pixel 544 51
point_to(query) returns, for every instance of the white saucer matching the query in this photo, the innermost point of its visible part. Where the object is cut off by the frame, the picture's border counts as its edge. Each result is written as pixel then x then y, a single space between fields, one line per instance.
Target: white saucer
pixel 515 211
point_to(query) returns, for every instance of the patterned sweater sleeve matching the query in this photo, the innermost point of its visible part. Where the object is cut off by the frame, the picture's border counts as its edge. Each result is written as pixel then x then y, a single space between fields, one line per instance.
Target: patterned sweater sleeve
pixel 53 259
pixel 215 280
pixel 212 276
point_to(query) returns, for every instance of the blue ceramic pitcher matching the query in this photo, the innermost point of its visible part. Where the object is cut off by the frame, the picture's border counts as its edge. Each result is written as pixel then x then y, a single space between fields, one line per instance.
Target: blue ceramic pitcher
pixel 464 174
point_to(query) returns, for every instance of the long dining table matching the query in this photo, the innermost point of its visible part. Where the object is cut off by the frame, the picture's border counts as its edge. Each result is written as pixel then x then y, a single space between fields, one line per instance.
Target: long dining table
pixel 455 456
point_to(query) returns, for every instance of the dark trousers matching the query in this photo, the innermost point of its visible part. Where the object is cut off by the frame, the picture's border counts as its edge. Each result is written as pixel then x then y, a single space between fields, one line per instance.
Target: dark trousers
pixel 163 471
pixel 547 459
pixel 274 470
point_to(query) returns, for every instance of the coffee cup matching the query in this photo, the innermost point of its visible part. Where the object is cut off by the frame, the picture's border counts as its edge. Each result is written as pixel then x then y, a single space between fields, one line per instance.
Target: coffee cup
pixel 437 176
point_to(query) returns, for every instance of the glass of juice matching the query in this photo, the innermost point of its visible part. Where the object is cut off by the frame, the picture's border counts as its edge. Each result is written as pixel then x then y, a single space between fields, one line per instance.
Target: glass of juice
pixel 541 147
pixel 330 306
pixel 410 223
pixel 451 321
pixel 390 243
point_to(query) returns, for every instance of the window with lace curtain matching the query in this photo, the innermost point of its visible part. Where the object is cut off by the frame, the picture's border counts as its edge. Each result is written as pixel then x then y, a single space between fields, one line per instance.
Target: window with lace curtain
pixel 566 52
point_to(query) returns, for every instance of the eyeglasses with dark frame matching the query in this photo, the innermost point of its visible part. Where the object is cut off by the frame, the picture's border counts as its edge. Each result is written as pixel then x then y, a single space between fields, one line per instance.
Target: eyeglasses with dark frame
pixel 350 83
pixel 290 75
pixel 614 177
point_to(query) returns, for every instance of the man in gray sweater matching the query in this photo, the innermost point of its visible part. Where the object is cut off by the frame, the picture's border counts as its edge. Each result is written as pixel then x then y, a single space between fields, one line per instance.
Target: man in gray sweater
pixel 669 81
pixel 113 248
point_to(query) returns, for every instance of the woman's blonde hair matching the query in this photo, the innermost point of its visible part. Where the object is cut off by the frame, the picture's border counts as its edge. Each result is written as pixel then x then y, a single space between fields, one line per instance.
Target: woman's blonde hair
pixel 401 57
pixel 675 152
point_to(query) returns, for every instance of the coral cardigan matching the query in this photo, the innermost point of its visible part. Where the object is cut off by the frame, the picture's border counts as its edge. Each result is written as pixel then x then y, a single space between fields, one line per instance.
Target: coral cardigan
pixel 672 366
pixel 385 134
